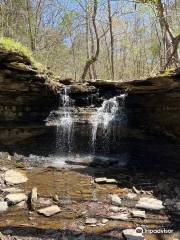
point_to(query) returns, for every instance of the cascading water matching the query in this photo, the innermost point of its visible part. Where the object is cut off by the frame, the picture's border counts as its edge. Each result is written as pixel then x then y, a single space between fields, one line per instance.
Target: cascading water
pixel 64 124
pixel 104 116
pixel 81 139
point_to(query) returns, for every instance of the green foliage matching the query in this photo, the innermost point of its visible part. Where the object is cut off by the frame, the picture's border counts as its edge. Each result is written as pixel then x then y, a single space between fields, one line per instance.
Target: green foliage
pixel 14 46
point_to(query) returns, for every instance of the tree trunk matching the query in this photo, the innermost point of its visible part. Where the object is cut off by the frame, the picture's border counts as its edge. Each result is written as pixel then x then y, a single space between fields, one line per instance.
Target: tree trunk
pixel 171 43
pixel 111 38
pixel 94 57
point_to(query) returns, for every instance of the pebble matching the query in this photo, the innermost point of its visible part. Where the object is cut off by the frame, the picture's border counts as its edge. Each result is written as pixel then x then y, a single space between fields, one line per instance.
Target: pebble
pixel 150 204
pixel 115 199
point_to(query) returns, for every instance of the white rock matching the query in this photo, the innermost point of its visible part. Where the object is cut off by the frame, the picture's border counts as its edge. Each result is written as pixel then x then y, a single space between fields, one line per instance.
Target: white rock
pixel 131 196
pixel 91 221
pixel 14 198
pixel 121 216
pixel 138 213
pixel 150 204
pixel 114 209
pixel 104 220
pixel 3 206
pixel 15 177
pixel 11 190
pixel 105 180
pixel 115 199
pixel 49 211
pixel 131 234
pixel 34 198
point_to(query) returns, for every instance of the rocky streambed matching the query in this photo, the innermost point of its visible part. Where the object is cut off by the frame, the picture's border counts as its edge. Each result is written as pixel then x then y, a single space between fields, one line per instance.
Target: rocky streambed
pixel 87 203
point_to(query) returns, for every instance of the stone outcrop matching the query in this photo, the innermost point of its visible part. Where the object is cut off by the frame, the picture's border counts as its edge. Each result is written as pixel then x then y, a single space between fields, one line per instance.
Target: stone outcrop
pixel 27 95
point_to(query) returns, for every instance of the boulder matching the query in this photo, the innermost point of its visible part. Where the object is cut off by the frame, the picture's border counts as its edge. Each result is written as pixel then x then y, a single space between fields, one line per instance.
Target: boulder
pixel 131 234
pixel 150 204
pixel 115 199
pixel 3 206
pixel 49 211
pixel 15 177
pixel 14 198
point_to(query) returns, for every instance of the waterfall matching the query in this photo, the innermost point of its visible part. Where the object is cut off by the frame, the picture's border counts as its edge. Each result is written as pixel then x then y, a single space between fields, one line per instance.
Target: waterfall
pixel 104 116
pixel 64 124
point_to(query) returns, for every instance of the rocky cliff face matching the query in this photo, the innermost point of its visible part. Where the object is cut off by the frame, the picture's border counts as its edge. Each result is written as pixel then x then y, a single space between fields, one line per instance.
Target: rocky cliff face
pixel 28 95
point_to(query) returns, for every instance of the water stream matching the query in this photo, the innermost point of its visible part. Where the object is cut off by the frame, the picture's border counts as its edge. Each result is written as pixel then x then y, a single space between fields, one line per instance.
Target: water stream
pixel 97 134
pixel 104 116
pixel 64 135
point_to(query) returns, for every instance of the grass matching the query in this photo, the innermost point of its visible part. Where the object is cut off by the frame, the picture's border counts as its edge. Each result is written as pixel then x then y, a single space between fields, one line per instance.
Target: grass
pixel 15 46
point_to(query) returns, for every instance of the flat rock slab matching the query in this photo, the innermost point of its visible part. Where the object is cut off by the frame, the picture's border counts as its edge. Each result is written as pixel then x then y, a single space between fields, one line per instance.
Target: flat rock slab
pixel 15 177
pixel 14 198
pixel 121 216
pixel 105 180
pixel 138 213
pixel 150 204
pixel 11 190
pixel 115 209
pixel 91 221
pixel 49 211
pixel 3 207
pixel 131 234
pixel 115 199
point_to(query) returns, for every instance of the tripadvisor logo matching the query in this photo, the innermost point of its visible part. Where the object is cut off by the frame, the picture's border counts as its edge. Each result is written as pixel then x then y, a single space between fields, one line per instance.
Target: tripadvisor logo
pixel 141 230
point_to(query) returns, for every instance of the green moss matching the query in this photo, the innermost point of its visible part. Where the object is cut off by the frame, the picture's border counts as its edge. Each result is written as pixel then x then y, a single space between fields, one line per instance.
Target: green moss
pixel 167 72
pixel 15 46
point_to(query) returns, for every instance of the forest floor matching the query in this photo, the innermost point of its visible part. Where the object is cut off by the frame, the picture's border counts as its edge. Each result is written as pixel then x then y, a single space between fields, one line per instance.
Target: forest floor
pixel 89 203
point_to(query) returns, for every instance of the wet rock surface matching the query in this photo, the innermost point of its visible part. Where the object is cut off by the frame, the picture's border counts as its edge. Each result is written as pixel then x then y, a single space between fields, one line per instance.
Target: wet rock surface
pixel 49 211
pixel 14 177
pixel 73 200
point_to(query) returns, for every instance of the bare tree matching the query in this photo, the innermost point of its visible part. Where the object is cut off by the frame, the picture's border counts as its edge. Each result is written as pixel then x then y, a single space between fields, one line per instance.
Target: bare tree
pixel 111 38
pixel 94 57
